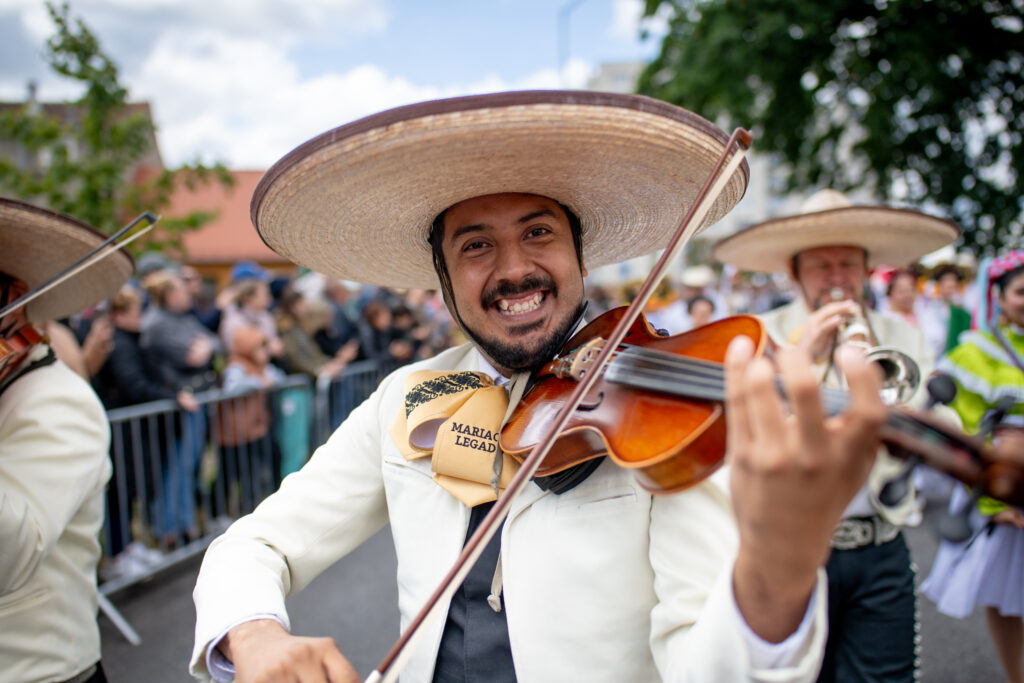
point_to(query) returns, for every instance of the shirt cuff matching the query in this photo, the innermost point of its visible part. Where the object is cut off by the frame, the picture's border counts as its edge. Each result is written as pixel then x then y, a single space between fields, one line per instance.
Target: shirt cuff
pixel 767 655
pixel 220 667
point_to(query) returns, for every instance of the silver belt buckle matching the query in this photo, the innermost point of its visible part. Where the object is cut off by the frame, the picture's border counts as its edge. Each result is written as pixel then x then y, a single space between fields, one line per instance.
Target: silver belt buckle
pixel 884 531
pixel 857 533
pixel 853 533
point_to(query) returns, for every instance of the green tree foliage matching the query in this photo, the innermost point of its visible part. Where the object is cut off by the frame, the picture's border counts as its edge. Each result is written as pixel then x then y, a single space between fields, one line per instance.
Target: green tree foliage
pixel 918 101
pixel 83 163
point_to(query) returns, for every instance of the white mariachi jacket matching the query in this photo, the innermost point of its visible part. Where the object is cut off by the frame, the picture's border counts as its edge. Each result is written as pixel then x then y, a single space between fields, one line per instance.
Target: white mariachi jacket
pixel 54 465
pixel 601 583
pixel 783 322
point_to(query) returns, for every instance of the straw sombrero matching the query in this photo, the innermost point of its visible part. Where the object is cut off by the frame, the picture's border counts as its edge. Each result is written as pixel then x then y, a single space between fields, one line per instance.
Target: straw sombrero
pixel 889 235
pixel 357 202
pixel 36 244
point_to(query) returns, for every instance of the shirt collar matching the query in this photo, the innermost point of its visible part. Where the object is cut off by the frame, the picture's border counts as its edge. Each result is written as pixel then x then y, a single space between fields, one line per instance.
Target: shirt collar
pixel 484 366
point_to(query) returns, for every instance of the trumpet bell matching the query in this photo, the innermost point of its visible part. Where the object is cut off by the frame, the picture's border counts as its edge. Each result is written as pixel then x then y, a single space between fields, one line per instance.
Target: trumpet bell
pixel 900 375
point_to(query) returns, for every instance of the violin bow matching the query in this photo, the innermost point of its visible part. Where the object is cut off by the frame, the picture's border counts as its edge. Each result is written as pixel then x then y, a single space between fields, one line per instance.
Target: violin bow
pixel 396 659
pixel 90 259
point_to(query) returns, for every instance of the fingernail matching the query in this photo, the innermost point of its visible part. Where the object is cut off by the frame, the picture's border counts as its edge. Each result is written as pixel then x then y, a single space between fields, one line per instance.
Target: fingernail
pixel 740 348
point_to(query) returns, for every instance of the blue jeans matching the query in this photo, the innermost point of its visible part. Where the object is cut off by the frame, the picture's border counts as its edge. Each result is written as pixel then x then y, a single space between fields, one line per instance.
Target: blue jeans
pixel 179 476
pixel 872 614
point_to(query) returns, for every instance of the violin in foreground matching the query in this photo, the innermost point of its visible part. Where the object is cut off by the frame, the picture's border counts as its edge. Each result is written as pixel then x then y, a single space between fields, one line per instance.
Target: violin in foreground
pixel 659 410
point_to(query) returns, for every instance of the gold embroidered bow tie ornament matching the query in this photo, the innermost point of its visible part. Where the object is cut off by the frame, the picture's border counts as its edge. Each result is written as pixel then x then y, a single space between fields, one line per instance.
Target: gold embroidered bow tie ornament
pixel 456 417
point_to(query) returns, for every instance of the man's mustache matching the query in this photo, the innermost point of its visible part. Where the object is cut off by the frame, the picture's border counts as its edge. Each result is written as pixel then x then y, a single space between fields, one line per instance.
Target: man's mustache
pixel 506 289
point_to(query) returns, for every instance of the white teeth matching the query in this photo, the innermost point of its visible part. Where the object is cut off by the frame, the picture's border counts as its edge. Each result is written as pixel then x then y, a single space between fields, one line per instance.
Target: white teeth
pixel 520 306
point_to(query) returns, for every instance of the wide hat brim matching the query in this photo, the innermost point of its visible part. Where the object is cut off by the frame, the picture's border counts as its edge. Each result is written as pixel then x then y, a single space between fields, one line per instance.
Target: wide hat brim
pixel 890 236
pixel 36 244
pixel 358 201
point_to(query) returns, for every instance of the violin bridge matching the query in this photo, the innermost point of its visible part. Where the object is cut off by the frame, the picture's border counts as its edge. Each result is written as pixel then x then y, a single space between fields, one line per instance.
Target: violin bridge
pixel 575 364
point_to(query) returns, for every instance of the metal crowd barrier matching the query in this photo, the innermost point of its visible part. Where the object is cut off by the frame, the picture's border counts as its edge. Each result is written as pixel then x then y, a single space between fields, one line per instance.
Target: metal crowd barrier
pixel 181 478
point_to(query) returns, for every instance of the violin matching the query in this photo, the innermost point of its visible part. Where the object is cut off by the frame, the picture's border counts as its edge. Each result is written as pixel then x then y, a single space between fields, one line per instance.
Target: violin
pixel 658 409
pixel 15 348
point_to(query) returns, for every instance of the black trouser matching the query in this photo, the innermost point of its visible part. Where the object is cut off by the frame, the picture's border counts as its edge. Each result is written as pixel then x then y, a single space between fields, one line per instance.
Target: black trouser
pixel 872 615
pixel 97 676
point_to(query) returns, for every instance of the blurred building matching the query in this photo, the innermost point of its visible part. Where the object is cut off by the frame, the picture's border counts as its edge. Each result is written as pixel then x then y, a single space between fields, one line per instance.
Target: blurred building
pixel 229 237
pixel 71 115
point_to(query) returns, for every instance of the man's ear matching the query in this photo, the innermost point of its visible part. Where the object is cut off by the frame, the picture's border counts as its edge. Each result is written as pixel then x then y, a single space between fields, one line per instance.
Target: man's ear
pixel 584 271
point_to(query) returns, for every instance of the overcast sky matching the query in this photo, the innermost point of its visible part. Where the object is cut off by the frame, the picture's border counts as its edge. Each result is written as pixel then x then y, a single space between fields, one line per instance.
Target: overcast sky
pixel 245 81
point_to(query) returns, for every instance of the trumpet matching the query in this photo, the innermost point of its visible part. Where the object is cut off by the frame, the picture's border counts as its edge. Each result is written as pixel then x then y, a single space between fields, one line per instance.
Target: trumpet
pixel 900 374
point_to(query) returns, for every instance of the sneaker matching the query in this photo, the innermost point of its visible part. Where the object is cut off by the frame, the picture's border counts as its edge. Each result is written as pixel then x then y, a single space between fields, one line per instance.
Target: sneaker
pixel 123 566
pixel 143 554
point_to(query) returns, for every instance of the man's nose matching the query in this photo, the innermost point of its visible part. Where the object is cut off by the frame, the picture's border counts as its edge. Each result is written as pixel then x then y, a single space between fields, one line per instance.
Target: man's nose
pixel 835 276
pixel 513 263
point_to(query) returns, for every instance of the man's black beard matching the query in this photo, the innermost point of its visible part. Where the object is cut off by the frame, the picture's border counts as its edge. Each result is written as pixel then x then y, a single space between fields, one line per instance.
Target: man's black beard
pixel 518 358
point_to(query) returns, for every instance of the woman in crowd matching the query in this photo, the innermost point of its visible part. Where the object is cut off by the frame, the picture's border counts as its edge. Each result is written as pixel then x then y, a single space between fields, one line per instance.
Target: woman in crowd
pixel 377 339
pixel 126 379
pixel 297 324
pixel 701 310
pixel 988 568
pixel 250 460
pixel 901 294
pixel 182 353
pixel 251 308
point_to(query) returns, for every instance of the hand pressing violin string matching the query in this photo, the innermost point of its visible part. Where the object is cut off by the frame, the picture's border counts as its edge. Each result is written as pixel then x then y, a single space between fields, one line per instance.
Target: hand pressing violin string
pixel 791 475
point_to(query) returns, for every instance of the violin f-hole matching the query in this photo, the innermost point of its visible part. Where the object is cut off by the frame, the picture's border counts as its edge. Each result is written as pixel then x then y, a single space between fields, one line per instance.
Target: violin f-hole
pixel 591 404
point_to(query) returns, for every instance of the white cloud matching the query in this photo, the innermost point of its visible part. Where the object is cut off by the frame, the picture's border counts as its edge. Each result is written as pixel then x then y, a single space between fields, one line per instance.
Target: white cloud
pixel 627 20
pixel 243 102
pixel 34 17
pixel 223 81
pixel 267 19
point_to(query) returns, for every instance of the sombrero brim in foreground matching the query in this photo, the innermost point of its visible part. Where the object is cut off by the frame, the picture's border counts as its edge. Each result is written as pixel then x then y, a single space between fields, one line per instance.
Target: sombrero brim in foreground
pixel 36 244
pixel 890 236
pixel 357 202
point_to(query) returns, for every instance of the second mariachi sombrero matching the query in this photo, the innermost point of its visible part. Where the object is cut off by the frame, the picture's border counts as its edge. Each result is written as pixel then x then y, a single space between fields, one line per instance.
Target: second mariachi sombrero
pixel 36 244
pixel 890 236
pixel 357 202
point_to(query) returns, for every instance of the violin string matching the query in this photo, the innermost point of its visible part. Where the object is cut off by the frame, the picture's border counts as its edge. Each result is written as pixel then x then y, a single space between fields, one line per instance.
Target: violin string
pixel 705 377
pixel 671 373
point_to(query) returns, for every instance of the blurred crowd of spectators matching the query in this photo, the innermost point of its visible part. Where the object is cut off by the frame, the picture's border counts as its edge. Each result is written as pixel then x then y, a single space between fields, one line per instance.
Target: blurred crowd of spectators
pixel 170 334
pixel 938 298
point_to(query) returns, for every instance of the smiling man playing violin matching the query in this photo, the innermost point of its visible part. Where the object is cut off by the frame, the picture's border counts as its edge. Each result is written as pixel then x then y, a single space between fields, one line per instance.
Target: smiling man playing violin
pixel 828 248
pixel 54 462
pixel 505 200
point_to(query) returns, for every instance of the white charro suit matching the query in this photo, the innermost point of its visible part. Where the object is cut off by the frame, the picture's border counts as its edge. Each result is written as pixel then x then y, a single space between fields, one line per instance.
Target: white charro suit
pixel 54 464
pixel 784 322
pixel 601 583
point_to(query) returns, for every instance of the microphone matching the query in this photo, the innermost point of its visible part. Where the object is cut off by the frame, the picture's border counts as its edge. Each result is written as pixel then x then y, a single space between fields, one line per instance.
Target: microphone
pixel 941 389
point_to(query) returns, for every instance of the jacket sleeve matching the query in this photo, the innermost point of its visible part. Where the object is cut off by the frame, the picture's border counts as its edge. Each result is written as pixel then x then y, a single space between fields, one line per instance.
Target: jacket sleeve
pixel 697 632
pixel 301 352
pixel 319 514
pixel 54 438
pixel 131 376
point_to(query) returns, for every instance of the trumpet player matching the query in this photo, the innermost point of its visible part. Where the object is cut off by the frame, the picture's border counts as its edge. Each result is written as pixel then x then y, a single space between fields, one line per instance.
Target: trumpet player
pixel 827 250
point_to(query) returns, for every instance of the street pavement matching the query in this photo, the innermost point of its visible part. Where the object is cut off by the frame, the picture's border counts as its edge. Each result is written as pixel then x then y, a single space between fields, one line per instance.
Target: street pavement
pixel 354 602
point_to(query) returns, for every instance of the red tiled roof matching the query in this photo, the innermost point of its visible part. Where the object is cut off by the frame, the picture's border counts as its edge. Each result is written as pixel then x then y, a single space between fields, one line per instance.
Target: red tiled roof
pixel 230 236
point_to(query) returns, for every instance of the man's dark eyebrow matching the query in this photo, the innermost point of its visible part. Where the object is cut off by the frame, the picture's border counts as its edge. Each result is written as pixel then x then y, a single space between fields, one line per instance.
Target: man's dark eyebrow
pixel 459 232
pixel 536 214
